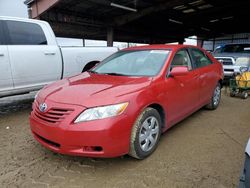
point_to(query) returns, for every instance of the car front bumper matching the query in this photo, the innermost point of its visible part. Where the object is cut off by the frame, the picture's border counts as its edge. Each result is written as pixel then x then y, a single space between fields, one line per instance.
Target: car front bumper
pixel 100 138
pixel 231 70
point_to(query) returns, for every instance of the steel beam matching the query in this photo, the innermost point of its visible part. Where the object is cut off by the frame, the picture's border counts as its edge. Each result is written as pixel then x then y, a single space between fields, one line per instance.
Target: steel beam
pixel 110 36
pixel 39 7
pixel 147 11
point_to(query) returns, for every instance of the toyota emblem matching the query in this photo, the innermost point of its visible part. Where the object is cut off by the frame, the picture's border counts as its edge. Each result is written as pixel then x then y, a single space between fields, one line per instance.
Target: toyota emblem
pixel 43 107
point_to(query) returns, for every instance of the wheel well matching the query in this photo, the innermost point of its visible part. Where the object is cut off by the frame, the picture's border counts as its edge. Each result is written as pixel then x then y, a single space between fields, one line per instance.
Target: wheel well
pixel 221 82
pixel 89 65
pixel 161 111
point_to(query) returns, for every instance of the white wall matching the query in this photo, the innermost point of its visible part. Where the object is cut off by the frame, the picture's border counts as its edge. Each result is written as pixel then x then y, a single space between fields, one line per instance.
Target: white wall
pixel 191 41
pixel 14 8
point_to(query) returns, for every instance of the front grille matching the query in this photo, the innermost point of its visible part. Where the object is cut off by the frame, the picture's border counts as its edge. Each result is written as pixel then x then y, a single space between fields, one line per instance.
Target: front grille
pixel 229 70
pixel 225 61
pixel 53 115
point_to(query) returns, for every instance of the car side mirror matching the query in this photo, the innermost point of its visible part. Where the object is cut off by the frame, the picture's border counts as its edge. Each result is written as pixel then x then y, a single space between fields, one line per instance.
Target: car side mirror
pixel 179 71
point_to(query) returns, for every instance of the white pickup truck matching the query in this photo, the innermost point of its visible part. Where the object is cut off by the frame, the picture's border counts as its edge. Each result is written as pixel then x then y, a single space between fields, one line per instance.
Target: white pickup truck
pixel 233 57
pixel 30 57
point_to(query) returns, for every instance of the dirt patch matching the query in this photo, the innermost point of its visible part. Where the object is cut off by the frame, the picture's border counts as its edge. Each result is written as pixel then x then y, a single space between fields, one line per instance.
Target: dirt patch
pixel 204 150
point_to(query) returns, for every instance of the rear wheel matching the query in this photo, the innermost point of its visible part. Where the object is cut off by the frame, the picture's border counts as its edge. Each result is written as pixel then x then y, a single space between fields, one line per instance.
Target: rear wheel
pixel 244 95
pixel 232 93
pixel 145 134
pixel 215 100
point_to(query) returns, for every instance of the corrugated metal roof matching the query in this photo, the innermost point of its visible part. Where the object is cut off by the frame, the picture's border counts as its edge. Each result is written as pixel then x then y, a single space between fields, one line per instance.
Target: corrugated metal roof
pixel 156 21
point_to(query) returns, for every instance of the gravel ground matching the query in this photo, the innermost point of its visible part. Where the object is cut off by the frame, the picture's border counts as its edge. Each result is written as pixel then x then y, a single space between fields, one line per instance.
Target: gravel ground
pixel 204 150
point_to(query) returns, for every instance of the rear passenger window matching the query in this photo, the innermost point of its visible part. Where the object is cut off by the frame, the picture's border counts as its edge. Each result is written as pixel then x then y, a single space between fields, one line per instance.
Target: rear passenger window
pixel 24 33
pixel 200 59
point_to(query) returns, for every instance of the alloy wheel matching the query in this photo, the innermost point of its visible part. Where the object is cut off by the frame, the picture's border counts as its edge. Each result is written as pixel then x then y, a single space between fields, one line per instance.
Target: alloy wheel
pixel 216 97
pixel 149 133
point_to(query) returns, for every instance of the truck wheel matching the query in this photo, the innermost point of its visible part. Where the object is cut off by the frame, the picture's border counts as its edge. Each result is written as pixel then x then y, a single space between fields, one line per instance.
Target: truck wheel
pixel 145 134
pixel 244 94
pixel 215 100
pixel 90 65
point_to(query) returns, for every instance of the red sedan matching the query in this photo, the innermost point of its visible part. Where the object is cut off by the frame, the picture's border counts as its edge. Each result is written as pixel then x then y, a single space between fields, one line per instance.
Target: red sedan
pixel 122 105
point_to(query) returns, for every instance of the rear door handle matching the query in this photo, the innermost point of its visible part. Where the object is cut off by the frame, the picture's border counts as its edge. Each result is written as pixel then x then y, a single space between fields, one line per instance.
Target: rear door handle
pixel 1 55
pixel 49 53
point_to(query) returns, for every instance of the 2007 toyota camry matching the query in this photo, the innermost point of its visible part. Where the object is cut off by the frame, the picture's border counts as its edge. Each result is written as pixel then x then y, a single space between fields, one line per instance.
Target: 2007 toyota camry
pixel 122 105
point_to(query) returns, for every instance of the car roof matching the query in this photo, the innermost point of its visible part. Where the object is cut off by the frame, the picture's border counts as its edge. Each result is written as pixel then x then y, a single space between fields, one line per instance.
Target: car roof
pixel 21 19
pixel 160 46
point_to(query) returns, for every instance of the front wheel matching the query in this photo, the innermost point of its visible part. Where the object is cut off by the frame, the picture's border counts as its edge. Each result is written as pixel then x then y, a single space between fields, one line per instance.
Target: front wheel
pixel 215 100
pixel 145 134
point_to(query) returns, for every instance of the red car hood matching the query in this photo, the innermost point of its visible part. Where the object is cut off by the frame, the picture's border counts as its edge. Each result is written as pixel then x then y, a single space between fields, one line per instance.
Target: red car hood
pixel 89 89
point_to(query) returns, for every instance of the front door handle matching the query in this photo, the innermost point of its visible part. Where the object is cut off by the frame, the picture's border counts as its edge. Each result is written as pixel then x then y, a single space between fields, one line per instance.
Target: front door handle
pixel 49 53
pixel 202 76
pixel 1 55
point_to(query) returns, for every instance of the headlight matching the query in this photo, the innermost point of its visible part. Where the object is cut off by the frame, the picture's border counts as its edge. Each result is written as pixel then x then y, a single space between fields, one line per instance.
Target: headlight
pixel 242 61
pixel 101 112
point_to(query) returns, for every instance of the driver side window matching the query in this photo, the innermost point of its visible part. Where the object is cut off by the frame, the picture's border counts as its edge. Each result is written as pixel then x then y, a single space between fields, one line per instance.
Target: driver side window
pixel 181 58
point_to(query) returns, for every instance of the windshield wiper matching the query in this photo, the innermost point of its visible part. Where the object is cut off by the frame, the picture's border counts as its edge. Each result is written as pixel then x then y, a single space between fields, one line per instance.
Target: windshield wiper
pixel 115 74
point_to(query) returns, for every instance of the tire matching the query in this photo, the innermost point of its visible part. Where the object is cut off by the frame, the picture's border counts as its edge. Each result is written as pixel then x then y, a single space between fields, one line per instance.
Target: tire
pixel 215 100
pixel 89 65
pixel 244 94
pixel 142 148
pixel 232 94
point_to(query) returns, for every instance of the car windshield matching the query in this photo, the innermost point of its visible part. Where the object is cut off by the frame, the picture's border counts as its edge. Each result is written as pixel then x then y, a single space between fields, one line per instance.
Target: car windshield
pixel 234 48
pixel 133 63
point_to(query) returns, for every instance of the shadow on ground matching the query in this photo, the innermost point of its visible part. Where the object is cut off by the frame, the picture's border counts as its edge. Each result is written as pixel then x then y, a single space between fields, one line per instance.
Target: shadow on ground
pixel 13 104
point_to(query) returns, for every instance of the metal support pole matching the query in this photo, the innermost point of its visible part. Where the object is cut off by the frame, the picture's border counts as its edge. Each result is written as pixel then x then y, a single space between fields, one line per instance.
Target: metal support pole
pixel 200 42
pixel 110 36
pixel 29 11
pixel 181 41
pixel 213 44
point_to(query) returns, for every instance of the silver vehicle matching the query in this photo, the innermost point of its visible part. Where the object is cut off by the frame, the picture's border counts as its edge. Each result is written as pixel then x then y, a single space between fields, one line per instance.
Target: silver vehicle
pixel 30 57
pixel 233 56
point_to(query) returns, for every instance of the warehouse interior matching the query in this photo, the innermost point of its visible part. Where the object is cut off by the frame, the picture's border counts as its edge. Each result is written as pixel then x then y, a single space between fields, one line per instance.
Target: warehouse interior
pixel 144 21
